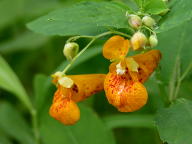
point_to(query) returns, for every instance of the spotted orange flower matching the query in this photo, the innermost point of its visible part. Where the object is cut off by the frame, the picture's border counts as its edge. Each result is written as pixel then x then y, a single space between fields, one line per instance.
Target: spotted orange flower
pixel 124 83
pixel 64 107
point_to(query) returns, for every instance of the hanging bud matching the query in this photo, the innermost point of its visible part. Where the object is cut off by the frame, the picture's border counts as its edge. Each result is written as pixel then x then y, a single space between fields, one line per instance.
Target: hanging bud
pixel 135 21
pixel 70 50
pixel 148 21
pixel 138 41
pixel 153 40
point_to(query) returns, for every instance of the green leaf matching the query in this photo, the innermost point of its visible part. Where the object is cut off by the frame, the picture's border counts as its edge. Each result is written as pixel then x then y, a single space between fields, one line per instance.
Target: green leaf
pixel 121 120
pixel 139 3
pixel 40 87
pixel 180 12
pixel 10 82
pixel 13 124
pixel 176 56
pixel 10 10
pixel 4 139
pixel 89 130
pixel 155 7
pixel 25 41
pixel 174 123
pixel 85 18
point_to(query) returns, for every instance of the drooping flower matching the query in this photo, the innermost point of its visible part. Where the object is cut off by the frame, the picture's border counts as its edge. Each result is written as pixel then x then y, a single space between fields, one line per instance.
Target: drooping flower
pixel 123 84
pixel 64 107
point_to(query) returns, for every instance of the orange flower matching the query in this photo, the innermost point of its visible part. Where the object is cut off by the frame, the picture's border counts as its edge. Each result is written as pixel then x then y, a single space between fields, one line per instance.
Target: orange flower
pixel 123 84
pixel 64 107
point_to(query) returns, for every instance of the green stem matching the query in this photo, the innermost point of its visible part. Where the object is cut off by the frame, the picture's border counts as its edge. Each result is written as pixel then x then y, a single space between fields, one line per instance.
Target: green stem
pixel 35 126
pixel 84 49
pixel 120 33
pixel 180 79
pixel 189 68
pixel 78 37
pixel 90 43
pixel 149 29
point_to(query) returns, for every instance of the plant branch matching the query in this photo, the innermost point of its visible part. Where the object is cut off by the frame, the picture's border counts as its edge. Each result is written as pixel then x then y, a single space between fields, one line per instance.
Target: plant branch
pixel 93 38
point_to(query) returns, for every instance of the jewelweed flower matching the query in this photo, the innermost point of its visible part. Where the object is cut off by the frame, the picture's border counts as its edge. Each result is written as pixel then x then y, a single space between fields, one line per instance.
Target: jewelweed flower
pixel 64 107
pixel 123 84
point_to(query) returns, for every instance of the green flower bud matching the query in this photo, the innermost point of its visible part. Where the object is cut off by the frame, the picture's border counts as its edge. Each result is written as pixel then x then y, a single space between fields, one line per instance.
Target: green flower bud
pixel 70 50
pixel 153 41
pixel 138 40
pixel 135 21
pixel 148 21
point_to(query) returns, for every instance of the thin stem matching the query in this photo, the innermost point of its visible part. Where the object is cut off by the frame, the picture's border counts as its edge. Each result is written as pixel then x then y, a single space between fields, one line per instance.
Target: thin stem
pixel 78 37
pixel 189 68
pixel 181 78
pixel 84 49
pixel 35 126
pixel 120 33
pixel 149 29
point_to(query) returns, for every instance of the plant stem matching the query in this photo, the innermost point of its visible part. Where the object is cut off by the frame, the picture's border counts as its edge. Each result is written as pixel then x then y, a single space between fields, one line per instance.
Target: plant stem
pixel 90 43
pixel 35 126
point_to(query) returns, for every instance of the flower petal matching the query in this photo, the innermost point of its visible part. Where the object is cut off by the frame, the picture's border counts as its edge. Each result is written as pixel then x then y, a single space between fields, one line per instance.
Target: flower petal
pixel 123 93
pixel 66 111
pixel 86 85
pixel 147 63
pixel 116 48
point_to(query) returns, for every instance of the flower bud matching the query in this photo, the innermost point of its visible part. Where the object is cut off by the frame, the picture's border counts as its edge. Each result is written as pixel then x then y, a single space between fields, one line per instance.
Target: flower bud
pixel 70 50
pixel 138 40
pixel 148 21
pixel 135 21
pixel 153 41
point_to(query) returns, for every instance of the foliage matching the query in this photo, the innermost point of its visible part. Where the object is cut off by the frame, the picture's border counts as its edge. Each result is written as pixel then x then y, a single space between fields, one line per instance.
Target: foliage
pixel 25 119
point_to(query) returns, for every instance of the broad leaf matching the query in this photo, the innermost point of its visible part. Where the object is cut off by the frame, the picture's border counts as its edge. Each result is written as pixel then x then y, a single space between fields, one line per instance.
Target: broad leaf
pixel 121 120
pixel 89 130
pixel 174 123
pixel 13 124
pixel 25 41
pixel 10 10
pixel 85 18
pixel 10 82
pixel 180 12
pixel 155 6
pixel 175 46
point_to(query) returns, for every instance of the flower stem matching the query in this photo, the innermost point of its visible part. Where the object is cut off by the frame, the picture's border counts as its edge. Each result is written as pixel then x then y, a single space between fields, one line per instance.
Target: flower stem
pixel 93 38
pixel 35 126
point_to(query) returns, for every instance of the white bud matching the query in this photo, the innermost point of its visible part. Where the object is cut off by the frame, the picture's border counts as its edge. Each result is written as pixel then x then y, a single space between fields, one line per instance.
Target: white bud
pixel 148 21
pixel 70 50
pixel 138 40
pixel 135 21
pixel 153 41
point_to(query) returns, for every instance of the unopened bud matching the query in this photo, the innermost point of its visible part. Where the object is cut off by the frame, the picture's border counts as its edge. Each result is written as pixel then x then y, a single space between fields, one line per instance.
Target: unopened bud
pixel 153 41
pixel 135 21
pixel 138 40
pixel 148 21
pixel 70 50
